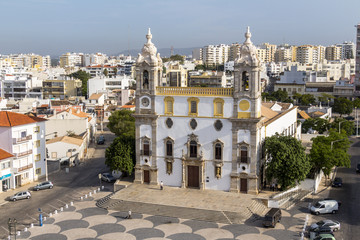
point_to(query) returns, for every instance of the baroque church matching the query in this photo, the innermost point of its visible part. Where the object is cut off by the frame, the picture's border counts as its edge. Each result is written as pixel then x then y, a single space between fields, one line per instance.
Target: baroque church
pixel 202 137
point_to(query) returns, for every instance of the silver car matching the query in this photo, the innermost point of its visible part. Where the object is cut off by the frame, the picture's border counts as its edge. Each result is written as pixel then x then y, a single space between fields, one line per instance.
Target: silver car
pixel 334 225
pixel 20 195
pixel 44 185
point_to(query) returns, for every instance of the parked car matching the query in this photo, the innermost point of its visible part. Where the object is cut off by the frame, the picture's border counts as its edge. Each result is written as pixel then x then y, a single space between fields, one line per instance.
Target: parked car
pixel 337 182
pixel 20 195
pixel 349 118
pixel 323 230
pixel 334 225
pixel 272 217
pixel 325 206
pixel 358 168
pixel 44 185
pixel 107 177
pixel 325 237
pixel 101 140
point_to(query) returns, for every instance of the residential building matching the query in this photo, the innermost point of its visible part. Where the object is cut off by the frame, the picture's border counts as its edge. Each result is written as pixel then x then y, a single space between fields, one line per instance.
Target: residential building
pixel 284 53
pixel 98 70
pixel 20 85
pixel 176 75
pixel 205 138
pixel 94 59
pixel 357 62
pixel 308 54
pixel 207 78
pixel 102 84
pixel 333 53
pixel 61 89
pixel 266 52
pixel 347 50
pixel 71 60
pixel 23 137
pixel 6 159
pixel 215 54
pixel 197 54
pixel 234 51
pixel 97 99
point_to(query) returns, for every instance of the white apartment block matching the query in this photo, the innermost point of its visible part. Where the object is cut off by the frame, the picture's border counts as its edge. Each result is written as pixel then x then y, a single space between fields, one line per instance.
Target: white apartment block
pixel 333 53
pixel 308 54
pixel 25 61
pixel 24 137
pixel 347 50
pixel 19 86
pixel 71 60
pixel 357 59
pixel 94 59
pixel 107 85
pixel 266 52
pixel 215 54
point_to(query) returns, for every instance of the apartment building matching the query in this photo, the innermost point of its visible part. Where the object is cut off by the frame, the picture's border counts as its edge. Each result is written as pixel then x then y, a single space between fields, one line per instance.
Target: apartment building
pixel 215 54
pixel 207 79
pixel 308 54
pixel 266 52
pixel 347 50
pixel 333 53
pixel 285 53
pixel 62 89
pixel 98 70
pixel 234 51
pixel 20 85
pixel 357 64
pixel 107 85
pixel 25 61
pixel 71 60
pixel 23 137
pixel 94 59
pixel 176 75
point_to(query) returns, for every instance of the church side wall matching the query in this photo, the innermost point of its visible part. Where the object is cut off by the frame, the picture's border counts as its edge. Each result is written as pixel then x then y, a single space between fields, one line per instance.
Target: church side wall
pixel 285 124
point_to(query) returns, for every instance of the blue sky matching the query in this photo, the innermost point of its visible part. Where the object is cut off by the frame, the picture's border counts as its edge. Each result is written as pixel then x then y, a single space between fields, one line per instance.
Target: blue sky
pixel 111 26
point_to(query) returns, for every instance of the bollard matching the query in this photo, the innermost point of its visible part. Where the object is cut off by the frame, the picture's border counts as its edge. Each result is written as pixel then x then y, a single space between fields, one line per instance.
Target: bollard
pixel 25 229
pixel 40 220
pixel 61 209
pixel 71 204
pixel 81 198
pixel 9 238
pixel 50 214
pixel 90 194
pixel 66 206
pixel 102 187
pixel 98 189
pixel 55 212
pixel 85 195
pixel 31 225
pixel 44 218
pixel 94 191
pixel 18 233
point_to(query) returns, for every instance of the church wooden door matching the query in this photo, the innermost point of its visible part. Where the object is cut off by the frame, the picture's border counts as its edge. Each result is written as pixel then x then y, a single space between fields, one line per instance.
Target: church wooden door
pixel 146 176
pixel 243 185
pixel 193 176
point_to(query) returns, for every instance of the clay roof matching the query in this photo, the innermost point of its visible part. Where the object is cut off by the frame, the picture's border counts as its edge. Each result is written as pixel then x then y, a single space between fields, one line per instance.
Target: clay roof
pixel 284 106
pixel 303 114
pixel 66 139
pixel 128 106
pixel 10 119
pixel 268 104
pixel 267 122
pixel 60 102
pixel 267 112
pixel 78 113
pixel 4 154
pixel 316 114
pixel 95 96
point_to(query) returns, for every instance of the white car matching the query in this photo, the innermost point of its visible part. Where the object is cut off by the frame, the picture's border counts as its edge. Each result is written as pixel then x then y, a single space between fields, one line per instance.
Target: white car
pixel 334 225
pixel 20 195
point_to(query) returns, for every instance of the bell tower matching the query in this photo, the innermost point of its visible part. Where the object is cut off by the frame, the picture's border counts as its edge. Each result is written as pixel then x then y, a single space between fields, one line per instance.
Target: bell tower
pixel 247 82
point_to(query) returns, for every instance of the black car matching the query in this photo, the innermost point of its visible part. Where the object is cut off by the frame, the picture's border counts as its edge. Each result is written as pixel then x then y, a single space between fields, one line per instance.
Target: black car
pixel 101 140
pixel 337 182
pixel 358 168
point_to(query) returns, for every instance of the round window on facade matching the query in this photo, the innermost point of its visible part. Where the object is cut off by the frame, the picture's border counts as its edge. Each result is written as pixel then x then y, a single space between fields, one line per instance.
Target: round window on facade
pixel 218 125
pixel 193 124
pixel 169 122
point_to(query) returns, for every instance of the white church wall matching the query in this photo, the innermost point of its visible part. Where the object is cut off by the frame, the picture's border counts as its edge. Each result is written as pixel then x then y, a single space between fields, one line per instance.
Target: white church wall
pixel 284 124
pixel 213 183
pixel 145 131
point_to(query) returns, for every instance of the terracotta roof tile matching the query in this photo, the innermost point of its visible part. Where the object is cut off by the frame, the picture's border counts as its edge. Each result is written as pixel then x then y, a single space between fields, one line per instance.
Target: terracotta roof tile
pixel 128 106
pixel 66 139
pixel 4 154
pixel 95 96
pixel 10 119
pixel 303 114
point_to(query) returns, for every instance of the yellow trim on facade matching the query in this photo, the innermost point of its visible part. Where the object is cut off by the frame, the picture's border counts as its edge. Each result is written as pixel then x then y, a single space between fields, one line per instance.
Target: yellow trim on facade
pixel 218 112
pixel 244 105
pixel 196 117
pixel 192 99
pixel 243 114
pixel 195 91
pixel 169 100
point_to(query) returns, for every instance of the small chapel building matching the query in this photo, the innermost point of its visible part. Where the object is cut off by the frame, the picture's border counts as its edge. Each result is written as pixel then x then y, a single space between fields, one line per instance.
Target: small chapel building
pixel 204 137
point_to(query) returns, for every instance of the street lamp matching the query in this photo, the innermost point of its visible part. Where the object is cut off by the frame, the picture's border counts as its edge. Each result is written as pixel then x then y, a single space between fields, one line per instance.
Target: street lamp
pixel 332 142
pixel 100 179
pixel 340 125
pixel 357 122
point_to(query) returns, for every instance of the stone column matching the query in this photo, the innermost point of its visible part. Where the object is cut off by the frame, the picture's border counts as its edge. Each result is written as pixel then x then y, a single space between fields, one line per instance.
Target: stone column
pixel 138 168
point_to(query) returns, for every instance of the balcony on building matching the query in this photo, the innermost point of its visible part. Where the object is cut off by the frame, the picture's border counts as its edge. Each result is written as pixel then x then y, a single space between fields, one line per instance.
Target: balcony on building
pixel 23 168
pixel 194 91
pixel 243 159
pixel 22 154
pixel 22 139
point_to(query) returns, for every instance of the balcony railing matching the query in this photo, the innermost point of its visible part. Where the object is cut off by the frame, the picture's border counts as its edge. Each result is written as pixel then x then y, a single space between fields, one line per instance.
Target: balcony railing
pixel 20 169
pixel 242 159
pixel 28 152
pixel 195 91
pixel 23 139
pixel 145 153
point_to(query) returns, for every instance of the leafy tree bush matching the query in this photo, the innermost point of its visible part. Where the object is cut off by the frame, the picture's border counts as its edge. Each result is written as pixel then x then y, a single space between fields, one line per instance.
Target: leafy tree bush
pixel 84 77
pixel 343 106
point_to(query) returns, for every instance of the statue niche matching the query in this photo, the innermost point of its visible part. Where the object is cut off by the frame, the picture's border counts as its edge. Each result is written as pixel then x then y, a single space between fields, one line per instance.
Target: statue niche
pixel 245 81
pixel 146 80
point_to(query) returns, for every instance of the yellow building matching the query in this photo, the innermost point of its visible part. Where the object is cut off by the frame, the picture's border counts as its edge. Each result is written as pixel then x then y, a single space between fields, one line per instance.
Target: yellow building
pixel 62 89
pixel 333 53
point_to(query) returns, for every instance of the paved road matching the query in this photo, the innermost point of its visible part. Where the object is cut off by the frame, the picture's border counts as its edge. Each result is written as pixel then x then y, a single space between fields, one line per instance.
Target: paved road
pixel 349 195
pixel 67 187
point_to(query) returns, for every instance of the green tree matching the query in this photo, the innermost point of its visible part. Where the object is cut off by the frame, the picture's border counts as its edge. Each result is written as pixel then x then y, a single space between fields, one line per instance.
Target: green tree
pixel 307 99
pixel 200 67
pixel 343 106
pixel 119 156
pixel 115 71
pixel 280 96
pixel 287 161
pixel 318 124
pixel 330 151
pixel 84 77
pixel 297 97
pixel 344 125
pixel 106 72
pixel 122 124
pixel 356 103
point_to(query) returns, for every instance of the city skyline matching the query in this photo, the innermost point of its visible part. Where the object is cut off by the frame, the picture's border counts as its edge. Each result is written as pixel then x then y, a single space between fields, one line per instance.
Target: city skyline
pixel 53 27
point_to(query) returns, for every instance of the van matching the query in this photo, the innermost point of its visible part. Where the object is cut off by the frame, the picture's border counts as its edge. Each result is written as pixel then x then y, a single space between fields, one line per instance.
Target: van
pixel 325 206
pixel 272 217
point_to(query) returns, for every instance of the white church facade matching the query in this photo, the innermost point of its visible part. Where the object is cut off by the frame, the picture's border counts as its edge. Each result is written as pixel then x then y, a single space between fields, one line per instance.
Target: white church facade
pixel 205 138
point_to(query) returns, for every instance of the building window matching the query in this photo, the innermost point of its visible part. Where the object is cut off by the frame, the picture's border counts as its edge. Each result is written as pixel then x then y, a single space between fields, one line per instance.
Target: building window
pixel 146 79
pixel 37 157
pixel 218 151
pixel 193 149
pixel 169 123
pixel 218 125
pixel 193 124
pixel 23 134
pixel 36 129
pixel 169 148
pixel 5 165
pixel 146 148
pixel 169 105
pixel 245 81
pixel 218 107
pixel 54 155
pixel 38 171
pixel 244 154
pixel 37 143
pixel 193 106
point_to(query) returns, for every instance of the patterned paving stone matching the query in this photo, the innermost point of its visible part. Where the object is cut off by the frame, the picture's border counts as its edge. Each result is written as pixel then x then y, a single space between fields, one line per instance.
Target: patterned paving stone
pixel 92 211
pixel 70 224
pixel 281 234
pixel 186 236
pixel 214 233
pixel 108 228
pixel 48 236
pixel 158 220
pixel 49 220
pixel 196 225
pixel 240 229
pixel 143 233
